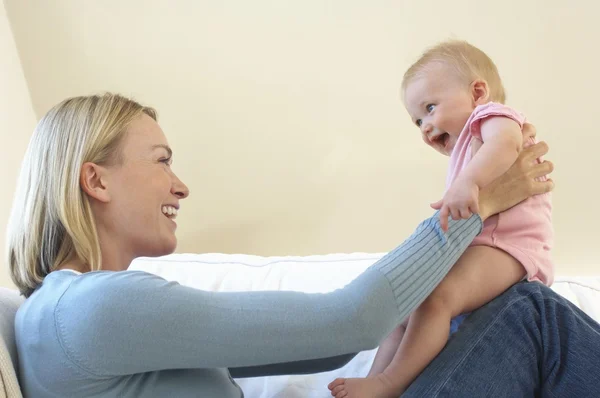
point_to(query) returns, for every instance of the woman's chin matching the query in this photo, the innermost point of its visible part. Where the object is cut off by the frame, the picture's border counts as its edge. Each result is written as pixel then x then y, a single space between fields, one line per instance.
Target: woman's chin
pixel 170 249
pixel 165 247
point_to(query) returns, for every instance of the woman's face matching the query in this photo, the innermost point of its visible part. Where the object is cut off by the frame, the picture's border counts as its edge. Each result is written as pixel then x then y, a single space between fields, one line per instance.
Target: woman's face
pixel 144 192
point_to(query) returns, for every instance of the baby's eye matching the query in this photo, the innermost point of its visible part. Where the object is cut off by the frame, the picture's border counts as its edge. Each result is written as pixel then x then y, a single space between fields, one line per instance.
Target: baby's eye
pixel 430 108
pixel 418 122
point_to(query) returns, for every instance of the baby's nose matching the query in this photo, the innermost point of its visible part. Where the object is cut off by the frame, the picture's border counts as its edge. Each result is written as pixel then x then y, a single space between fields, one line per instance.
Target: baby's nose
pixel 426 129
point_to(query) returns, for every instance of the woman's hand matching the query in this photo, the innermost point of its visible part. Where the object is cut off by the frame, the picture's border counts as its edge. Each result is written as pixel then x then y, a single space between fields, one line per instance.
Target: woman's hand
pixel 519 182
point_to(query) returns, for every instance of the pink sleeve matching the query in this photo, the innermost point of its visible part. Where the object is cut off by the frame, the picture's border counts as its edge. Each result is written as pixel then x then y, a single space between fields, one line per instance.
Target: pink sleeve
pixel 492 109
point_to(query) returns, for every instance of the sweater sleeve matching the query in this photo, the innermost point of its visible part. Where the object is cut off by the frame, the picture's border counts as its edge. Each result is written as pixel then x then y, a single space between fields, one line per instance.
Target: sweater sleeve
pixel 143 323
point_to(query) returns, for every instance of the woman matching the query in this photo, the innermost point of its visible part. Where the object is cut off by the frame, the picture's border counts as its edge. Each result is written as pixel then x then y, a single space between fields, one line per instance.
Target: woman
pixel 97 190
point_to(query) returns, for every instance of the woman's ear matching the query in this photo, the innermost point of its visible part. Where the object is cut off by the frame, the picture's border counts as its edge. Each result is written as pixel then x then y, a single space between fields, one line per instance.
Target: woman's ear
pixel 93 181
pixel 480 92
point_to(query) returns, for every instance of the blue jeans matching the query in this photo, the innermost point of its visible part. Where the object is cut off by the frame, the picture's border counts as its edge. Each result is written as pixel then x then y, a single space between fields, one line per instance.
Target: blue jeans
pixel 528 342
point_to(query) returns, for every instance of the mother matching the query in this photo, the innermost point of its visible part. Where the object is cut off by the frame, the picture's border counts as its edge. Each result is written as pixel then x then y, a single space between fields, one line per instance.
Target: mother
pixel 97 190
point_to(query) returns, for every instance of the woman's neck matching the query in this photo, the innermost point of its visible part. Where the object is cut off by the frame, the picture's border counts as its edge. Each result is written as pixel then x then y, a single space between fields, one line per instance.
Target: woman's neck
pixel 75 265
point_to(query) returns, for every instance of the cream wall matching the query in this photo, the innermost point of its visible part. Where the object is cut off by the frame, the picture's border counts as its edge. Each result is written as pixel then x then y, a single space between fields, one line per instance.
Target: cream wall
pixel 17 120
pixel 285 116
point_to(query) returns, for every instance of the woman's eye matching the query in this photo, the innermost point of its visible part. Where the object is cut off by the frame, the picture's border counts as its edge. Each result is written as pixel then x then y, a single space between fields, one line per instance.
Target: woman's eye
pixel 430 108
pixel 418 122
pixel 166 161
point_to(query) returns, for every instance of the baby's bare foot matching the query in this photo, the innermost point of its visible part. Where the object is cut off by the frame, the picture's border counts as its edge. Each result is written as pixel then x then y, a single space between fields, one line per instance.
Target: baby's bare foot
pixel 379 386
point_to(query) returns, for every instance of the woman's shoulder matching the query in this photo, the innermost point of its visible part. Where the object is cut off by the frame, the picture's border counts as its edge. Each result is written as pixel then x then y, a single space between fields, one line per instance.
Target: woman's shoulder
pixel 68 306
pixel 64 290
pixel 101 286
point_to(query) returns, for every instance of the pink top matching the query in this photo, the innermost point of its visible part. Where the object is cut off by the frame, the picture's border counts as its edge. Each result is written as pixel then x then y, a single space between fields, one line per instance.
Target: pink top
pixel 524 231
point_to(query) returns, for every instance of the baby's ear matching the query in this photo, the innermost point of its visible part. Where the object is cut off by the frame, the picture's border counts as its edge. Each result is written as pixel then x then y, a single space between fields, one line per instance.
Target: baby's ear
pixel 480 92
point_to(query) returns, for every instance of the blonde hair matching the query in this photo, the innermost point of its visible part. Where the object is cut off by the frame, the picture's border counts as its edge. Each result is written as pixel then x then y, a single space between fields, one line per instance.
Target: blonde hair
pixel 51 221
pixel 467 61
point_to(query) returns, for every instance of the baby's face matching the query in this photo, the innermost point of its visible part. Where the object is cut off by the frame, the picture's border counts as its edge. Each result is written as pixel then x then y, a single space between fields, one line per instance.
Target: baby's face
pixel 439 105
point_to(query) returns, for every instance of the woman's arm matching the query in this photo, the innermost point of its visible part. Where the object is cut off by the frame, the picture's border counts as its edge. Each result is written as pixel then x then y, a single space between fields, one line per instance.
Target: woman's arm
pixel 143 323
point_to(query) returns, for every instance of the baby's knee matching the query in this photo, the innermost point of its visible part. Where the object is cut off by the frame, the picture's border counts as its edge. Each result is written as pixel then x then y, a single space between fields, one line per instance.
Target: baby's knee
pixel 442 300
pixel 435 304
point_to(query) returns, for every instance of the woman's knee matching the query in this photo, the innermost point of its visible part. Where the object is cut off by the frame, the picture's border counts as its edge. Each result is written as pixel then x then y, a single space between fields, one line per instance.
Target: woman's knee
pixel 534 291
pixel 525 304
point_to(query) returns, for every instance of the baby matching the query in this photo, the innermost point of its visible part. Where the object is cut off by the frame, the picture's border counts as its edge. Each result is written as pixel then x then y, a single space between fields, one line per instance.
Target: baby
pixel 455 97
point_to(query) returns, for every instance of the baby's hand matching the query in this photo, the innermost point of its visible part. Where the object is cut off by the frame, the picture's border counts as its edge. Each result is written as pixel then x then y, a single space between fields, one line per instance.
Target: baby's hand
pixel 460 201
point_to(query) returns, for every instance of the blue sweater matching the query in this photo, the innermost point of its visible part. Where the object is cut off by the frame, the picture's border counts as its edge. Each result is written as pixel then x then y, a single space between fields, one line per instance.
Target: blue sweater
pixel 134 334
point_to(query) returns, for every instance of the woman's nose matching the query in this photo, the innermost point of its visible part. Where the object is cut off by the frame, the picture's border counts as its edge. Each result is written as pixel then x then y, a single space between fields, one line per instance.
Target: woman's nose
pixel 179 189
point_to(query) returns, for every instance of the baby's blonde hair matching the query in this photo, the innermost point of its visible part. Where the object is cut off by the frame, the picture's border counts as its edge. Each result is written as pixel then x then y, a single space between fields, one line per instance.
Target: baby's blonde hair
pixel 467 61
pixel 51 221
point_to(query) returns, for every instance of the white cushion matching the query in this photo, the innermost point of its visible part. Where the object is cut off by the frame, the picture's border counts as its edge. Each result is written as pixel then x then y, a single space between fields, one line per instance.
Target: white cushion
pixel 10 300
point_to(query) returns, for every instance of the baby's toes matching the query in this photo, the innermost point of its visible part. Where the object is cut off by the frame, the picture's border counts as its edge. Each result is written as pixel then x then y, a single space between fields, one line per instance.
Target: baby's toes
pixel 336 382
pixel 339 391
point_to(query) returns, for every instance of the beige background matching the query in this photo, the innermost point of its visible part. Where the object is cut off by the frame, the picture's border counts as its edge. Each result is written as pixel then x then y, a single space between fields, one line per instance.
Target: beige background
pixel 17 121
pixel 285 116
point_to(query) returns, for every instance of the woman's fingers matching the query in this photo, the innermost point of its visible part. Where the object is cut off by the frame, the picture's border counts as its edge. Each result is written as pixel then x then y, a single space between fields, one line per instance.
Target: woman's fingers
pixel 529 130
pixel 535 151
pixel 542 169
pixel 541 187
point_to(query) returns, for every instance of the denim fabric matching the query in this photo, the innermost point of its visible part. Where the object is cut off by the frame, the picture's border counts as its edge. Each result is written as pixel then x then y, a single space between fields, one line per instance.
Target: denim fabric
pixel 528 342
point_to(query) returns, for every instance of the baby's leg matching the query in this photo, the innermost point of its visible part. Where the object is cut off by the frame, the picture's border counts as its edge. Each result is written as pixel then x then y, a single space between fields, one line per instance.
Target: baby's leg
pixel 387 350
pixel 481 274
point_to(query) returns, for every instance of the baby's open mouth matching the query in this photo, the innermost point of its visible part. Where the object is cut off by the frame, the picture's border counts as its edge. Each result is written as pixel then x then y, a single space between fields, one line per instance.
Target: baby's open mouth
pixel 442 139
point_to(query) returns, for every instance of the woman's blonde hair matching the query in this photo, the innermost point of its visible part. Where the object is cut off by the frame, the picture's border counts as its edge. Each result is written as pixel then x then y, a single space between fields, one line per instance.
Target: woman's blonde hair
pixel 51 221
pixel 467 62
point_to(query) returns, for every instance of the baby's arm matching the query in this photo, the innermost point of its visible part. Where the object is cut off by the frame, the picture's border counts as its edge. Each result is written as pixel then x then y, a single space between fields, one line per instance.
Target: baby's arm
pixel 502 141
